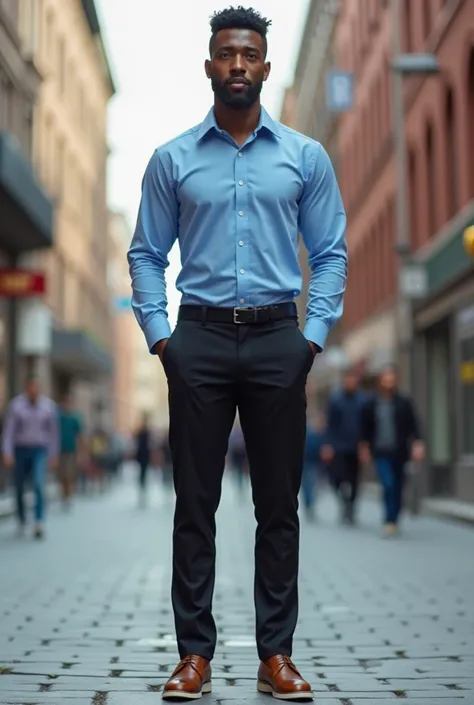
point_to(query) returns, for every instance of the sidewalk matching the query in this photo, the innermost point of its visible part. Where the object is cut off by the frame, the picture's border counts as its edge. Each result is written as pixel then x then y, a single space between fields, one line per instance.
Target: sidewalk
pixel 86 617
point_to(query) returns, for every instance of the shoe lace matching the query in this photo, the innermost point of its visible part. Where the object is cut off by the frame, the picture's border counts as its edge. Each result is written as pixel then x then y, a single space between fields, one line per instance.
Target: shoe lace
pixel 284 660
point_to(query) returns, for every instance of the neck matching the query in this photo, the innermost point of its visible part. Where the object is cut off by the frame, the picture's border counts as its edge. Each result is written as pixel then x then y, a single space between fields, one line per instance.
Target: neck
pixel 237 122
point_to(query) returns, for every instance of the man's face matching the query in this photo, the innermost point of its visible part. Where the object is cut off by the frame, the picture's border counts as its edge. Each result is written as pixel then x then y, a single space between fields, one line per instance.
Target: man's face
pixel 350 382
pixel 237 67
pixel 32 390
pixel 388 381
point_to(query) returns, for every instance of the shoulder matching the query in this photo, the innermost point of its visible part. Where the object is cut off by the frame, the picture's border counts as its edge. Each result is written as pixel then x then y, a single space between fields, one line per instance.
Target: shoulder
pixel 49 405
pixel 314 156
pixel 174 145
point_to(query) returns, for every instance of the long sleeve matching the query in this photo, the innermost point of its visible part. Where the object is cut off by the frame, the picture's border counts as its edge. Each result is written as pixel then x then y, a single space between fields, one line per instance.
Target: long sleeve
pixel 8 439
pixel 322 223
pixel 331 430
pixel 154 236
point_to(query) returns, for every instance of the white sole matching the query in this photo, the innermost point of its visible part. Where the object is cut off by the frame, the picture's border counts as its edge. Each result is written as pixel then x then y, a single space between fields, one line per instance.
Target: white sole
pixel 263 687
pixel 180 695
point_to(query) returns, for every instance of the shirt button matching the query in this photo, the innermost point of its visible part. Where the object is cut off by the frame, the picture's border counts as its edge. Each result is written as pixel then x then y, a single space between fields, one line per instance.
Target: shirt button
pixel 239 154
pixel 241 243
pixel 241 301
pixel 241 212
pixel 242 271
pixel 241 183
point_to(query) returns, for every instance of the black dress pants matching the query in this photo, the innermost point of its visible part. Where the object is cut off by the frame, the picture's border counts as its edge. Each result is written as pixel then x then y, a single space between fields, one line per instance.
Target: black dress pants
pixel 213 369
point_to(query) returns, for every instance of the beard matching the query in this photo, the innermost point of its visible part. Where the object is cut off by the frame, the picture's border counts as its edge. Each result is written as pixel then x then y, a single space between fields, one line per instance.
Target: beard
pixel 237 101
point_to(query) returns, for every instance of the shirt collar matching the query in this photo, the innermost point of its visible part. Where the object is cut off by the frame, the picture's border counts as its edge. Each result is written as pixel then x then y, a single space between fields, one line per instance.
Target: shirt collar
pixel 265 122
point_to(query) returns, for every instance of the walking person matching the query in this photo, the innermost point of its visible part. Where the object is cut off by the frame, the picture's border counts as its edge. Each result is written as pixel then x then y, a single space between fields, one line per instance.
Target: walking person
pixel 315 436
pixel 391 437
pixel 235 191
pixel 30 443
pixel 341 452
pixel 71 448
pixel 143 453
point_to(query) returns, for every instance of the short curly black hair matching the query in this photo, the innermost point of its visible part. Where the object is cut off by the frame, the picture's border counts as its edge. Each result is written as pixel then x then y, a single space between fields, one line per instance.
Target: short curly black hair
pixel 239 18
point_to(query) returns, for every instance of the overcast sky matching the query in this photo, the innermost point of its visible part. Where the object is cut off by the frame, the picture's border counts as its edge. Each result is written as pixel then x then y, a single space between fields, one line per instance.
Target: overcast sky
pixel 157 50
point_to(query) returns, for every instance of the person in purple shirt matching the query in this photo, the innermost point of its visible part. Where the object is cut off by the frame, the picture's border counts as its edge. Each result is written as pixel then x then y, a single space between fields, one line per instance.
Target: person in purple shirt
pixel 31 441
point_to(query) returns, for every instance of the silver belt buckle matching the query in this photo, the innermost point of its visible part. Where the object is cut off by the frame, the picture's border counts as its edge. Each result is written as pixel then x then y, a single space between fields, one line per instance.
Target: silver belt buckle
pixel 237 309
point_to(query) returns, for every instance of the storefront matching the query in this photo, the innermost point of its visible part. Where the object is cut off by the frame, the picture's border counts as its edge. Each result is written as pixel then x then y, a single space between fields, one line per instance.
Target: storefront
pixel 444 368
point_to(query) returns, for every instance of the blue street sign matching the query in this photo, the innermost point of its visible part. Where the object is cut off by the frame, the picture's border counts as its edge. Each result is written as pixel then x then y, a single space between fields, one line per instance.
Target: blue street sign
pixel 339 91
pixel 123 303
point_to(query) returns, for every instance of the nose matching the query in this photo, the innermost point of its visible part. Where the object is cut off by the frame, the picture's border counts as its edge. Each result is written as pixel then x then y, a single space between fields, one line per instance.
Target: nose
pixel 238 65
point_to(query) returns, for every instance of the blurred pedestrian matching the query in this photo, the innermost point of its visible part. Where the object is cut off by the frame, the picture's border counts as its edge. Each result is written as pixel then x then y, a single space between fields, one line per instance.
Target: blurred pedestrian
pixel 341 452
pixel 236 191
pixel 143 454
pixel 71 448
pixel 31 442
pixel 315 437
pixel 391 437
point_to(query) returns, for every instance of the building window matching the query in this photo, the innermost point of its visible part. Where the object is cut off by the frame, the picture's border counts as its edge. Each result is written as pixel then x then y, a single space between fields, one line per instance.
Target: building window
pixel 413 200
pixel 62 66
pixel 408 25
pixel 467 392
pixel 427 18
pixel 430 161
pixel 452 156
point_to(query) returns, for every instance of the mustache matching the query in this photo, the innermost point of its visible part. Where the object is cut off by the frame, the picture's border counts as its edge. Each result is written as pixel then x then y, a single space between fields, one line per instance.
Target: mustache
pixel 238 79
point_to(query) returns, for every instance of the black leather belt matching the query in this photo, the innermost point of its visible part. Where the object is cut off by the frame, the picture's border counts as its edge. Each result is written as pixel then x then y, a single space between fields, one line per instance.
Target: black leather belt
pixel 240 315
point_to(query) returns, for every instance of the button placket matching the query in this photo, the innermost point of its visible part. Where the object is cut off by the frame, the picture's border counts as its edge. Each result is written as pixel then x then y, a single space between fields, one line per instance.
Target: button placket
pixel 241 233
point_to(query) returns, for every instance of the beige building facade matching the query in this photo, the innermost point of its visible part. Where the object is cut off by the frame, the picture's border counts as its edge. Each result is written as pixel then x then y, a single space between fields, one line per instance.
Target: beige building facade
pixel 26 209
pixel 70 151
pixel 140 385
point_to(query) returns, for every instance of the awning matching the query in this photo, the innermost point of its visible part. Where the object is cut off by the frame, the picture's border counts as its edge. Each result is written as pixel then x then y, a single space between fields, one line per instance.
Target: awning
pixel 77 353
pixel 26 221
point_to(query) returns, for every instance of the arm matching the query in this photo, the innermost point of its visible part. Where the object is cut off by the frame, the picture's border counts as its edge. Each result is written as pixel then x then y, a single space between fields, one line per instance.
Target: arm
pixel 155 233
pixel 418 451
pixel 366 432
pixel 53 445
pixel 8 440
pixel 322 222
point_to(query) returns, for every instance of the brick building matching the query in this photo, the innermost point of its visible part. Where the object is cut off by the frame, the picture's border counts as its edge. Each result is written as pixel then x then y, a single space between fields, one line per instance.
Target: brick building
pixel 439 133
pixel 304 109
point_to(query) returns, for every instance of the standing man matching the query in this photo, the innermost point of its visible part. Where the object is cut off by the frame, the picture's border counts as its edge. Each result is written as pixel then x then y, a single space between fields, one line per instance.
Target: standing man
pixel 30 441
pixel 391 436
pixel 344 415
pixel 72 445
pixel 235 191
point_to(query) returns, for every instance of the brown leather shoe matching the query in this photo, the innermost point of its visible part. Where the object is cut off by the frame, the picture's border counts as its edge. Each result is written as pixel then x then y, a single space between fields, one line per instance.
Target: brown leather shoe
pixel 191 678
pixel 280 677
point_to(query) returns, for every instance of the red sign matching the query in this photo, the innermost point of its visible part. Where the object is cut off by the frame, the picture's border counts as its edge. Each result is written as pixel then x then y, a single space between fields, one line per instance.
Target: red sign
pixel 21 282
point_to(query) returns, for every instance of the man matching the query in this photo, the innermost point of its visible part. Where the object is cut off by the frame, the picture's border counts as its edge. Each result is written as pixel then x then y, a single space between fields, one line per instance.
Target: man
pixel 235 190
pixel 30 440
pixel 72 445
pixel 342 451
pixel 391 436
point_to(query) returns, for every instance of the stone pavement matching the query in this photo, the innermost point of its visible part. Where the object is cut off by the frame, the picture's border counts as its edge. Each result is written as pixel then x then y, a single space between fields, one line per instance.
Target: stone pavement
pixel 85 616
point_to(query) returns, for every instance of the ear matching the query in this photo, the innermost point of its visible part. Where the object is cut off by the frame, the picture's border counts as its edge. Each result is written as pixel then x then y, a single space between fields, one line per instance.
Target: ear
pixel 266 70
pixel 207 68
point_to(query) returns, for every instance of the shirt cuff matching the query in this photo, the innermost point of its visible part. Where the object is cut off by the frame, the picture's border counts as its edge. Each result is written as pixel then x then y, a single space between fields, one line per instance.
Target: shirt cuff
pixel 316 331
pixel 155 330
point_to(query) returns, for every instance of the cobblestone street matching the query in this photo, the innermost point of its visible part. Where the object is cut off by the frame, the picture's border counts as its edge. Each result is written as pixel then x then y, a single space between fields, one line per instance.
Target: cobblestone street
pixel 86 618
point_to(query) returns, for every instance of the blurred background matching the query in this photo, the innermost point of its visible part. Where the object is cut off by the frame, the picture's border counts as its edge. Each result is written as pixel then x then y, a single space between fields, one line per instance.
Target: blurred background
pixel 88 88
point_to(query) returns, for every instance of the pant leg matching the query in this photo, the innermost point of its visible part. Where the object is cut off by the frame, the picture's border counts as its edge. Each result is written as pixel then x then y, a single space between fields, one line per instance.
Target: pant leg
pixel 143 474
pixel 308 485
pixel 353 476
pixel 275 361
pixel 39 462
pixel 200 362
pixel 386 477
pixel 399 483
pixel 19 478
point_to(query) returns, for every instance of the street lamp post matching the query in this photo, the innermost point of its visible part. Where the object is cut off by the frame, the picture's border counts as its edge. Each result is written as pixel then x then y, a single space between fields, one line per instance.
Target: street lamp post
pixel 411 280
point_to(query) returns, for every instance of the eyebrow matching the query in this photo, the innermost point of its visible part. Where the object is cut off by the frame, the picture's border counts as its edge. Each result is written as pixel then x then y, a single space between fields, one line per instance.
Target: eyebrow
pixel 232 47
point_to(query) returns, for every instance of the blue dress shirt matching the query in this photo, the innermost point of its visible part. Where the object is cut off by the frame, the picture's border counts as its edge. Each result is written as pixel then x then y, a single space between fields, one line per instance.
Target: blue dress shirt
pixel 236 212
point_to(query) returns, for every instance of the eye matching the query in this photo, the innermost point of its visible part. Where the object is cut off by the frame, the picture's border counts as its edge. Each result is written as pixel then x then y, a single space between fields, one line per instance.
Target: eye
pixel 252 57
pixel 224 55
